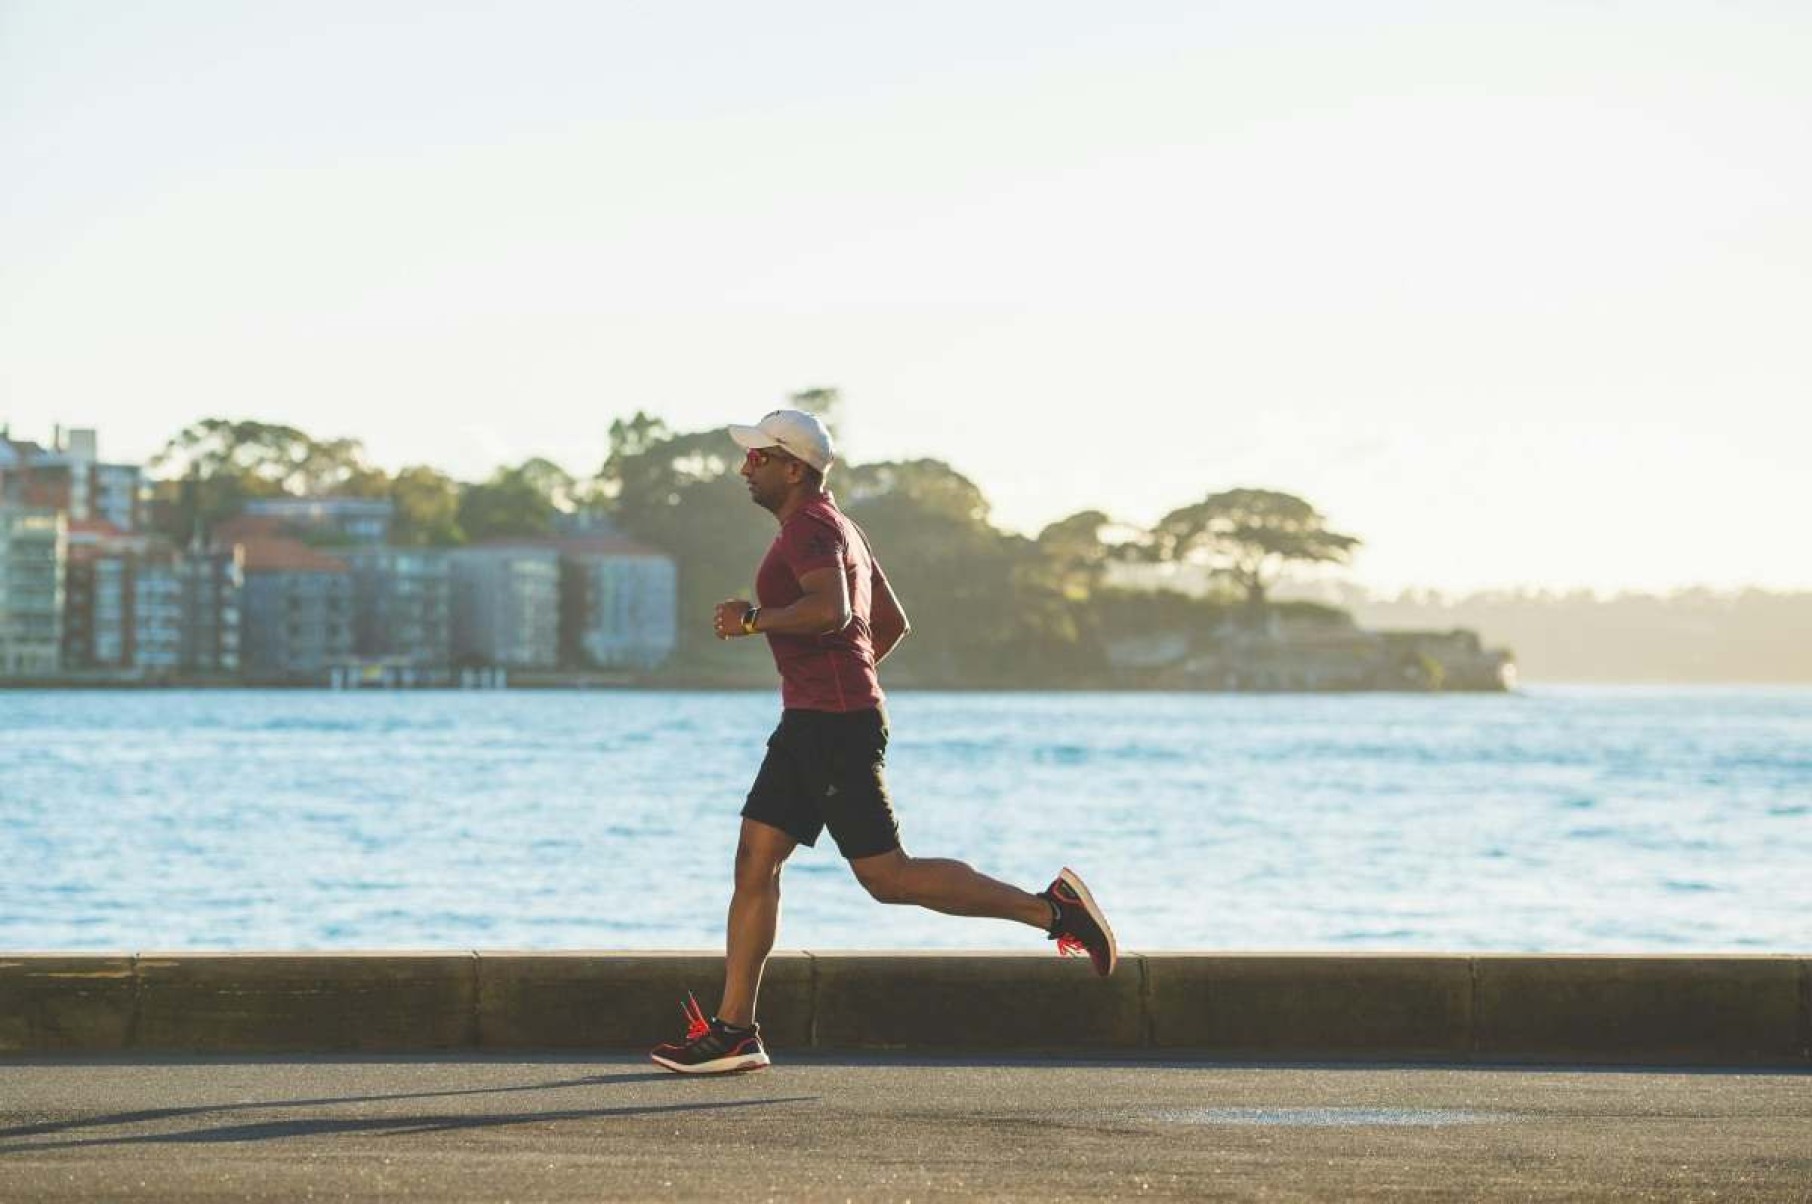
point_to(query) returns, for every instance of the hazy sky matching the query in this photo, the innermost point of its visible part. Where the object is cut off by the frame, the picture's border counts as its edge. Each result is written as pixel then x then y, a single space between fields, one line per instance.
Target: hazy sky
pixel 1519 293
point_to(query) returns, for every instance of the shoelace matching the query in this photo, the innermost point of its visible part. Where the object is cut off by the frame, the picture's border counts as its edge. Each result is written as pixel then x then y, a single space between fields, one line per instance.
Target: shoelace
pixel 696 1024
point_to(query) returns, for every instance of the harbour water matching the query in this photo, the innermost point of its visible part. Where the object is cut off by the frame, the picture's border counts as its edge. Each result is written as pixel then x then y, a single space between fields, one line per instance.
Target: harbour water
pixel 1555 819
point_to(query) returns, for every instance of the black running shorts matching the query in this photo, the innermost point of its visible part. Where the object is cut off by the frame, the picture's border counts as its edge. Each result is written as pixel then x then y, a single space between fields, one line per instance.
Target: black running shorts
pixel 824 769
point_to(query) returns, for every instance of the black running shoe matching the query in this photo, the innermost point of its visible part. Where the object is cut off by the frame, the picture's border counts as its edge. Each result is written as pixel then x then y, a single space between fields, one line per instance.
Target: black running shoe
pixel 711 1046
pixel 1080 927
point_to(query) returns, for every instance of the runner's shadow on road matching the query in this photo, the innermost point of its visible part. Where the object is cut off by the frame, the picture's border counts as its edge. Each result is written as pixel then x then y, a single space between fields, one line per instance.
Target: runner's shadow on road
pixel 151 1114
pixel 391 1126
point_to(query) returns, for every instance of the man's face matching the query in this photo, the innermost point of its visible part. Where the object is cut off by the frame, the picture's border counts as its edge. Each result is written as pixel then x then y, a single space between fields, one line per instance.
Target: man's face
pixel 769 472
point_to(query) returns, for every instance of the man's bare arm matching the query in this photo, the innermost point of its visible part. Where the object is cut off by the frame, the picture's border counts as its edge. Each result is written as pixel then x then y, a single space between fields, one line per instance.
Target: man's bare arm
pixel 823 608
pixel 887 619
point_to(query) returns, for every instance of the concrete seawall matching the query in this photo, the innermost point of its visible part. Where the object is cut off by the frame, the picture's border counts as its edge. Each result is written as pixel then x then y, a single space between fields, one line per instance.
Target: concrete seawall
pixel 1444 1008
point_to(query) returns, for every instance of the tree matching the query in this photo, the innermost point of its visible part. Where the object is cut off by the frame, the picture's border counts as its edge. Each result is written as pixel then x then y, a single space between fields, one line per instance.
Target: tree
pixel 516 502
pixel 549 480
pixel 1252 536
pixel 928 489
pixel 981 608
pixel 634 436
pixel 681 493
pixel 1075 555
pixel 337 468
pixel 826 403
pixel 427 508
pixel 223 463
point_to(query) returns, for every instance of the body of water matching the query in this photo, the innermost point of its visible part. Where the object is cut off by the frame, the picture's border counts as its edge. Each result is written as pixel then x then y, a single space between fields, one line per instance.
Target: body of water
pixel 1558 819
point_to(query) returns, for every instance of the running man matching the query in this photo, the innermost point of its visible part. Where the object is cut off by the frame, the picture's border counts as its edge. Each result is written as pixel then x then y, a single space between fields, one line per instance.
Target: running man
pixel 831 618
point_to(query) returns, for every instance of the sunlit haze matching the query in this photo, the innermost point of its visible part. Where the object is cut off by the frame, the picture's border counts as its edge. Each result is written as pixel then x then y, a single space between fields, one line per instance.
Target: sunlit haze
pixel 1519 294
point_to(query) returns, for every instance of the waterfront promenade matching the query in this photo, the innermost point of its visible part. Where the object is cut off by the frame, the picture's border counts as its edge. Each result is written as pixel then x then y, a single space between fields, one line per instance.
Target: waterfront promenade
pixel 519 1076
pixel 887 1127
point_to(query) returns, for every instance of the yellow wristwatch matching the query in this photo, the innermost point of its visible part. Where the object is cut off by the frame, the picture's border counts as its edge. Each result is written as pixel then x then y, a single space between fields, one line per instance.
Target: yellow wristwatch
pixel 748 619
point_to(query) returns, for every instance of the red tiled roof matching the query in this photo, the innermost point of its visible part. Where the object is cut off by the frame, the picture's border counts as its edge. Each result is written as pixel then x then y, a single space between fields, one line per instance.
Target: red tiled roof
pixel 279 555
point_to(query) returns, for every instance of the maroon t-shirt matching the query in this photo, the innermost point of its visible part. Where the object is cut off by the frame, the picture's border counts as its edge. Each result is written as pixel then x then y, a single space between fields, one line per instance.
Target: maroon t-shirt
pixel 834 671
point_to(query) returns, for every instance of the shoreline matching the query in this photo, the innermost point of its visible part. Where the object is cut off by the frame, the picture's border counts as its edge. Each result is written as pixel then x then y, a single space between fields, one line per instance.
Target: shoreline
pixel 700 684
pixel 706 686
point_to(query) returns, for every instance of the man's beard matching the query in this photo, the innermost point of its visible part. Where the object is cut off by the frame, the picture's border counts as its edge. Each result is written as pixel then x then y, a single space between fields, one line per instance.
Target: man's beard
pixel 771 505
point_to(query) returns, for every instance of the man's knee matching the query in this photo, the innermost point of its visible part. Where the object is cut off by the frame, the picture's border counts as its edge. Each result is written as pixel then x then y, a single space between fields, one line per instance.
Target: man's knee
pixel 884 878
pixel 756 869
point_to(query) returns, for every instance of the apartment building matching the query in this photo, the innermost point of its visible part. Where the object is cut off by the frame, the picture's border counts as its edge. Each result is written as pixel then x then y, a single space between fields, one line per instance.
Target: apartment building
pixel 134 602
pixel 297 611
pixel 69 476
pixel 506 606
pixel 213 590
pixel 33 546
pixel 402 606
pixel 619 603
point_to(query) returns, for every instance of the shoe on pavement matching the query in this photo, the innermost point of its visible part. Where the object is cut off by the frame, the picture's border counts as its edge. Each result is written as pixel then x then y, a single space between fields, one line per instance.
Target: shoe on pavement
pixel 711 1046
pixel 1080 927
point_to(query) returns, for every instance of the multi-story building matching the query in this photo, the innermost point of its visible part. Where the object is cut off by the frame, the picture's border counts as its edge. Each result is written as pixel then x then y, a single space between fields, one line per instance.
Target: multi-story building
pixel 85 541
pixel 156 614
pixel 69 476
pixel 213 588
pixel 296 611
pixel 103 613
pixel 618 603
pixel 402 606
pixel 133 602
pixel 119 495
pixel 506 606
pixel 99 581
pixel 33 546
pixel 353 520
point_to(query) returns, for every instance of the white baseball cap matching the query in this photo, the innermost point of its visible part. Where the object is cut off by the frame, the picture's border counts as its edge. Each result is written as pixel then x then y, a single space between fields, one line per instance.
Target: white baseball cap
pixel 799 434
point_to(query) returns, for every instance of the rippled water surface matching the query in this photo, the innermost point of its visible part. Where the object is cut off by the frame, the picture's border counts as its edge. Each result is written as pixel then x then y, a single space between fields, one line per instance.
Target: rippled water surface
pixel 1558 819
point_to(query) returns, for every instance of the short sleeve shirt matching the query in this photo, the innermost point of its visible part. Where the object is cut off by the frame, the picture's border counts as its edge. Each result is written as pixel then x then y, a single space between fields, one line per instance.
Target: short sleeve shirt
pixel 834 671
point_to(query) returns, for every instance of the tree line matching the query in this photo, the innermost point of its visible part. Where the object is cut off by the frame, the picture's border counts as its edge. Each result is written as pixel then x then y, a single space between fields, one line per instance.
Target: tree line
pixel 988 606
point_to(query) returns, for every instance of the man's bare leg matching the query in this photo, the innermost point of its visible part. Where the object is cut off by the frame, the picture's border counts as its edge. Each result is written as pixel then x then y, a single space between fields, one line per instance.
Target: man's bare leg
pixel 951 887
pixel 754 917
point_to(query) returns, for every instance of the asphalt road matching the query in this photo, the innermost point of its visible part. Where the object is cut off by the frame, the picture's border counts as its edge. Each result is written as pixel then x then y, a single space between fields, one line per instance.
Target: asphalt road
pixel 875 1128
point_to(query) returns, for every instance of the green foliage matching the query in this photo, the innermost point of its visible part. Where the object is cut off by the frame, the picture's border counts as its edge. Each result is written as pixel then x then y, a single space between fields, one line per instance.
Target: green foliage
pixel 1304 608
pixel 223 463
pixel 427 508
pixel 827 404
pixel 1074 555
pixel 983 607
pixel 337 468
pixel 928 489
pixel 1250 535
pixel 1136 611
pixel 633 437
pixel 987 607
pixel 681 493
pixel 517 502
pixel 1430 672
pixel 551 482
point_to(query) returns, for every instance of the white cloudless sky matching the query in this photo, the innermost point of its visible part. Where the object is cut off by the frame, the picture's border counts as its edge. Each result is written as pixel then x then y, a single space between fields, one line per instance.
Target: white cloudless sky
pixel 1520 294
